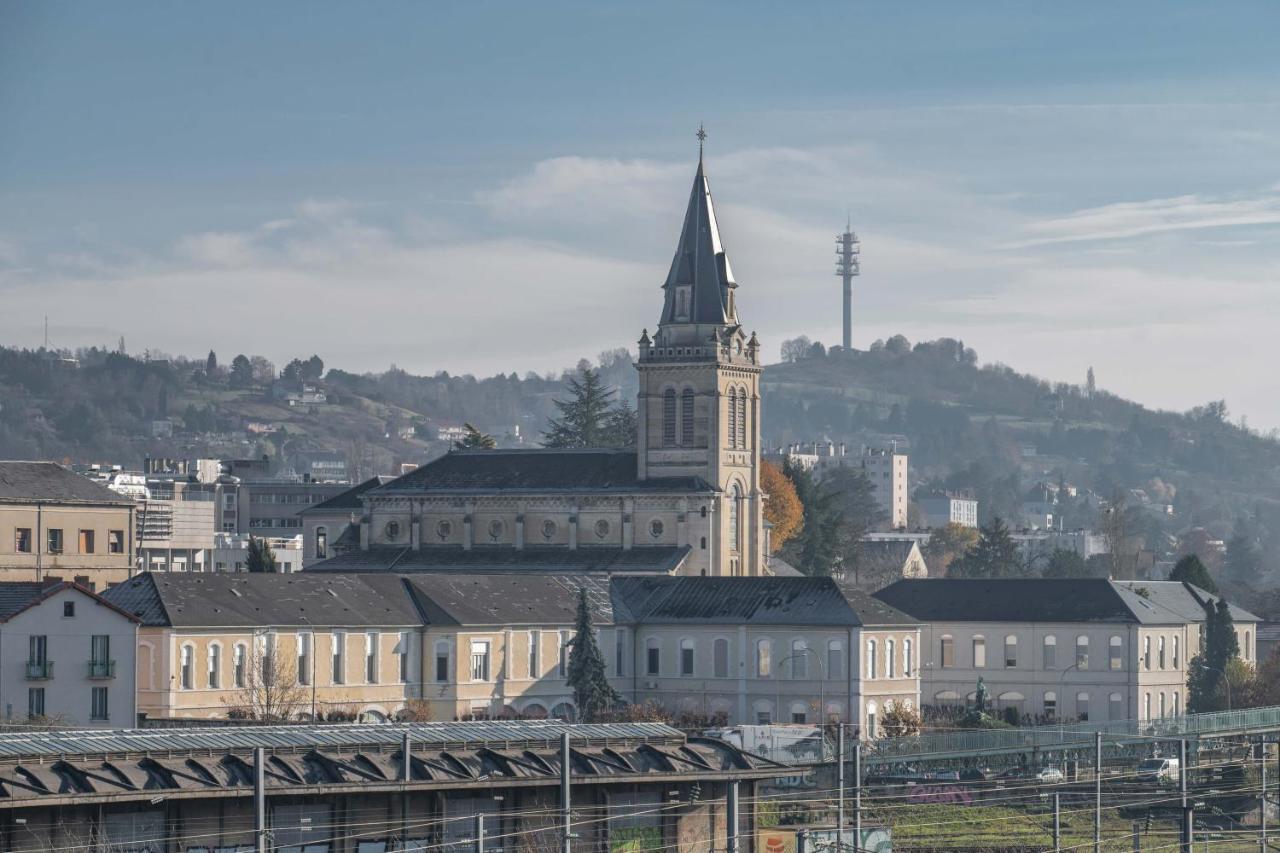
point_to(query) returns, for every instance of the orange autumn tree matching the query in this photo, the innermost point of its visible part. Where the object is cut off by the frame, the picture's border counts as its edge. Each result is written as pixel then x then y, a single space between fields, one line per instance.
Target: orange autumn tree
pixel 782 507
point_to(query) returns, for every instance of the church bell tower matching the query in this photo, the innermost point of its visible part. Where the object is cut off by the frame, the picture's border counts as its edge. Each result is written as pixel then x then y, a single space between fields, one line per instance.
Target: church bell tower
pixel 699 402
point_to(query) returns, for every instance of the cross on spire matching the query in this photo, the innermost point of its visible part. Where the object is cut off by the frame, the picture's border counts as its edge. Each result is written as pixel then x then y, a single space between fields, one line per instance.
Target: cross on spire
pixel 702 137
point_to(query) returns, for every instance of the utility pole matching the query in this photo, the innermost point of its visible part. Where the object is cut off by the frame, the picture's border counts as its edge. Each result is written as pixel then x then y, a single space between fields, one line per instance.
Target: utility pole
pixel 840 786
pixel 1188 817
pixel 731 817
pixel 848 248
pixel 566 812
pixel 260 799
pixel 1262 796
pixel 857 794
pixel 1057 823
pixel 1097 793
pixel 479 832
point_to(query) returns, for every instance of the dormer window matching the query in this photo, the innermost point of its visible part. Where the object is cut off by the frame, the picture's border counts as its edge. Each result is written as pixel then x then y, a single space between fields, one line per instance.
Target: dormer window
pixel 682 303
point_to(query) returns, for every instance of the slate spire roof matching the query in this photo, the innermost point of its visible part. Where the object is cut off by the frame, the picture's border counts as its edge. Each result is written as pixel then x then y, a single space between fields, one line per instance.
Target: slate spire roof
pixel 700 263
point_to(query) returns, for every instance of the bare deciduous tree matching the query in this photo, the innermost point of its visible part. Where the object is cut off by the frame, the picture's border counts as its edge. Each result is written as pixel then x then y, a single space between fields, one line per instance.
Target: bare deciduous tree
pixel 271 689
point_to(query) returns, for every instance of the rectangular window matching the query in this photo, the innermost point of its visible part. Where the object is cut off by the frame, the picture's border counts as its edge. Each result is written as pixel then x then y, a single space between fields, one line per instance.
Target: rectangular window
pixel 835 660
pixel 619 652
pixel 479 660
pixel 764 658
pixel 1117 657
pixel 948 653
pixel 442 662
pixel 188 667
pixel 405 650
pixel 68 609
pixel 562 668
pixel 339 667
pixel 54 543
pixel 86 542
pixel 1082 653
pixel 653 660
pixel 22 540
pixel 35 702
pixel 100 664
pixel 215 666
pixel 763 718
pixel 1010 651
pixel 304 658
pixel 371 658
pixel 979 653
pixel 686 657
pixel 720 662
pixel 115 541
pixel 535 654
pixel 38 649
pixel 98 706
pixel 237 661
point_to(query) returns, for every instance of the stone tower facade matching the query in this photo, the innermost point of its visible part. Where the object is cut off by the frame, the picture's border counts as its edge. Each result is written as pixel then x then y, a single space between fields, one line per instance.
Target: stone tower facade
pixel 699 401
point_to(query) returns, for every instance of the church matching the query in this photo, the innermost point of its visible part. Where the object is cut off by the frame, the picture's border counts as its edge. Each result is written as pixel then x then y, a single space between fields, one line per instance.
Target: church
pixel 685 501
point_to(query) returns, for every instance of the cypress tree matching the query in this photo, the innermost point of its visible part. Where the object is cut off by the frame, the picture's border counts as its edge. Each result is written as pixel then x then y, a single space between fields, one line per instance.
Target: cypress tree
pixel 592 692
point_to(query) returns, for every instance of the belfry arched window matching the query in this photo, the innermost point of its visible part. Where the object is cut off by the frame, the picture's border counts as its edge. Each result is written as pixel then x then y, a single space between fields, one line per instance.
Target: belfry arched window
pixel 686 417
pixel 733 418
pixel 669 417
pixel 742 417
pixel 735 501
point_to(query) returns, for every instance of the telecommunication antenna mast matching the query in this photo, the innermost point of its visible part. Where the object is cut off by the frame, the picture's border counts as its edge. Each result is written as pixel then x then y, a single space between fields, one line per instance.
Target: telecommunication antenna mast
pixel 848 248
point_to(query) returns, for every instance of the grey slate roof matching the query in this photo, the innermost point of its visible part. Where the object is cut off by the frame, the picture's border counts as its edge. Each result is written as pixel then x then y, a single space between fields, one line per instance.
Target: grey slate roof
pixel 17 596
pixel 350 499
pixel 490 559
pixel 509 599
pixel 700 262
pixel 539 471
pixel 49 482
pixel 220 599
pixel 1023 600
pixel 1185 599
pixel 754 601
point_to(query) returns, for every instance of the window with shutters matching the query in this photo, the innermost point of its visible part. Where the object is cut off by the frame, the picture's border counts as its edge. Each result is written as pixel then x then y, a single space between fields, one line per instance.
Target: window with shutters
pixel 669 417
pixel 686 417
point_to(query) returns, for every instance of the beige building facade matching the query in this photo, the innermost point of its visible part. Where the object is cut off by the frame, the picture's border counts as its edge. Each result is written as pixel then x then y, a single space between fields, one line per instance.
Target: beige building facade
pixel 56 524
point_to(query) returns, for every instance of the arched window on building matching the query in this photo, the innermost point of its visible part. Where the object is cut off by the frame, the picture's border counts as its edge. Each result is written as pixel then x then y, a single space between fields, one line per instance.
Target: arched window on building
pixel 907 662
pixel 686 417
pixel 1146 706
pixel 890 661
pixel 1176 659
pixel 764 657
pixel 1082 652
pixel 742 417
pixel 835 659
pixel 979 652
pixel 720 656
pixel 1010 651
pixel 799 659
pixel 1146 653
pixel 1116 646
pixel 732 401
pixel 1163 710
pixel 871 659
pixel 669 417
pixel 735 501
pixel 1050 652
pixel 322 542
pixel 871 719
pixel 1115 707
pixel 238 664
pixel 1050 704
pixel 1160 652
pixel 1082 707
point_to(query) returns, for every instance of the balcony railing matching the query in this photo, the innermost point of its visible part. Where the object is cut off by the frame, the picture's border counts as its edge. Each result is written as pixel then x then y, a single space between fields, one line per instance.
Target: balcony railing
pixel 39 670
pixel 102 669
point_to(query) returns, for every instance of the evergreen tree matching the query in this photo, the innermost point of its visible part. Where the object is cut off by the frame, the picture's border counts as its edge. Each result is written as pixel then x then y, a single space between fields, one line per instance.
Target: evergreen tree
pixel 241 372
pixel 1244 559
pixel 1066 564
pixel 475 440
pixel 592 692
pixel 1208 668
pixel 260 557
pixel 621 426
pixel 1191 570
pixel 584 418
pixel 211 364
pixel 816 550
pixel 995 555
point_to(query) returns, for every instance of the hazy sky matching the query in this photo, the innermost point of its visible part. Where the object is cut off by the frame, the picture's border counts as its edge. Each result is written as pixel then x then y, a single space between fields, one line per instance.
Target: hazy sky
pixel 483 186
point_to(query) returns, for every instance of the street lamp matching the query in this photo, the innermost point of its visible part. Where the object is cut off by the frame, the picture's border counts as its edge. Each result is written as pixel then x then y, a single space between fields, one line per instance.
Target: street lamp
pixel 822 698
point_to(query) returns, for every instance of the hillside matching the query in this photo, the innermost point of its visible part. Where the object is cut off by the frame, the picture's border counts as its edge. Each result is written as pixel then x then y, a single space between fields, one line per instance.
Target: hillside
pixel 982 427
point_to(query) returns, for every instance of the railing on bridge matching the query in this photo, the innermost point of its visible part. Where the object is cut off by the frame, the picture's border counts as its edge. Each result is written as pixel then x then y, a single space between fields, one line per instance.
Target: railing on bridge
pixel 1042 738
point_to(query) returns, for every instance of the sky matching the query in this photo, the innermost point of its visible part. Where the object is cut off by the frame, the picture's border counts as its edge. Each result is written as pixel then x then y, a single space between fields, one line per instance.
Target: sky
pixel 492 187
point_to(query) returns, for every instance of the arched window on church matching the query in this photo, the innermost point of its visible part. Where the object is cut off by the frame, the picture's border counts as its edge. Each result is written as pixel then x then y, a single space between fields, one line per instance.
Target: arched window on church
pixel 742 417
pixel 686 417
pixel 735 505
pixel 669 417
pixel 733 419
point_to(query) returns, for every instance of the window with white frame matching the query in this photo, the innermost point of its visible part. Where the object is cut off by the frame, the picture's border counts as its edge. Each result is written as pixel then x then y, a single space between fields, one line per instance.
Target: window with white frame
pixel 305 642
pixel 442 661
pixel 239 656
pixel 479 660
pixel 686 657
pixel 1116 649
pixel 371 657
pixel 946 652
pixel 535 654
pixel 979 652
pixel 1082 652
pixel 1050 704
pixel 764 658
pixel 1050 659
pixel 1146 655
pixel 187 671
pixel 404 649
pixel 338 665
pixel 1175 651
pixel 871 659
pixel 563 667
pixel 1010 651
pixel 1160 652
pixel 215 665
pixel 890 659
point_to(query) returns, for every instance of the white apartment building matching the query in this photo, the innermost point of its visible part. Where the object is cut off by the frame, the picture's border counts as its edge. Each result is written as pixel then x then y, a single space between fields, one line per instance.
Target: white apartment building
pixel 943 509
pixel 887 471
pixel 1086 649
pixel 231 552
pixel 66 655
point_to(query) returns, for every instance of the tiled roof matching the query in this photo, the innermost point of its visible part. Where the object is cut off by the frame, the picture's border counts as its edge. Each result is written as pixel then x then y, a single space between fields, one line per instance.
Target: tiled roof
pixel 1023 600
pixel 535 471
pixel 49 482
pixel 509 599
pixel 240 599
pixel 17 596
pixel 350 499
pixel 1185 599
pixel 754 601
pixel 490 559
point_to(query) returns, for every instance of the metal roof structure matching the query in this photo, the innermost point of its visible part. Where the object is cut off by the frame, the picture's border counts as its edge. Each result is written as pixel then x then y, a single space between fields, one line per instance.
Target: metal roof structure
pixel 303 737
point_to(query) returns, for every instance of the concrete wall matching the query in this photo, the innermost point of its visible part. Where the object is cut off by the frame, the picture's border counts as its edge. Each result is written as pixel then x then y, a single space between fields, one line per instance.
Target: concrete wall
pixel 101 520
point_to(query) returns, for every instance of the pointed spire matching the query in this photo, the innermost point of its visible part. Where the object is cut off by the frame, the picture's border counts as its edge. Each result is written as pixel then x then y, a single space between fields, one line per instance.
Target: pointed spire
pixel 698 287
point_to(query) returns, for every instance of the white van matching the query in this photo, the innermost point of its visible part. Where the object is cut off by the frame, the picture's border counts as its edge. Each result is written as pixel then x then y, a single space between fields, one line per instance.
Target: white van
pixel 1158 770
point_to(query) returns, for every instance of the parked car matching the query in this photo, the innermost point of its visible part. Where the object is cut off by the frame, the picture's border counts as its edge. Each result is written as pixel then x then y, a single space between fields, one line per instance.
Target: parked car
pixel 1158 770
pixel 1049 775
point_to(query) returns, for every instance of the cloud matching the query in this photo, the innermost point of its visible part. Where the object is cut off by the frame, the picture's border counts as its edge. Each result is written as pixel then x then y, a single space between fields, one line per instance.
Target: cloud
pixel 1135 219
pixel 221 249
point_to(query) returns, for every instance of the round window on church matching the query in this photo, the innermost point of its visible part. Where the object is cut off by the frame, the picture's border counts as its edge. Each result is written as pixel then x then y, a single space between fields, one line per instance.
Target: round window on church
pixel 392 530
pixel 602 528
pixel 444 528
pixel 549 528
pixel 655 528
pixel 495 529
